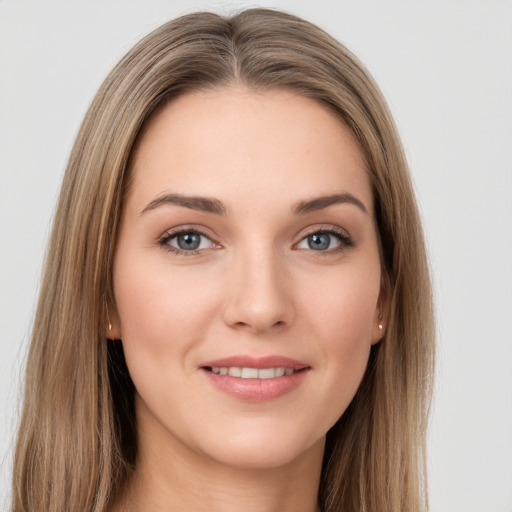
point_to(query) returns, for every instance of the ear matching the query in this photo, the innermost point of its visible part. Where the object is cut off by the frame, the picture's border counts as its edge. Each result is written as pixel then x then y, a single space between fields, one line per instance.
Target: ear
pixel 113 325
pixel 381 311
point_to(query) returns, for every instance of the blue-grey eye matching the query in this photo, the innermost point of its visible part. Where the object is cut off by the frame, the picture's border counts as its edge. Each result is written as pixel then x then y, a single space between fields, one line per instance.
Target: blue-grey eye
pixel 319 241
pixel 190 241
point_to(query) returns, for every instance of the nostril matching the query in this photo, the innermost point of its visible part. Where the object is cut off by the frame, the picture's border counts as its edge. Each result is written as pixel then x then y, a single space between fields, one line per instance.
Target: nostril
pixel 258 312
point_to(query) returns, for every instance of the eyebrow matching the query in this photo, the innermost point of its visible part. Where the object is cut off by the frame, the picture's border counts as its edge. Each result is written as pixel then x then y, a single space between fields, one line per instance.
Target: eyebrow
pixel 319 203
pixel 204 204
pixel 212 205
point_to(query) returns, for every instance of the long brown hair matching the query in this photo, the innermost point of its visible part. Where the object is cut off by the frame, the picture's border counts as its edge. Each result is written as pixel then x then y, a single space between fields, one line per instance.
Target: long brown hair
pixel 76 443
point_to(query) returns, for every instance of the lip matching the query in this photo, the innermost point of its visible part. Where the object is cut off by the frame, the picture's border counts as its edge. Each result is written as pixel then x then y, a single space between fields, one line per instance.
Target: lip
pixel 256 390
pixel 257 362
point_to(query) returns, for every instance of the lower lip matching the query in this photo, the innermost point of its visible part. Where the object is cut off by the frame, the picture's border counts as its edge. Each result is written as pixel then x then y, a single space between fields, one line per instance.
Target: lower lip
pixel 256 390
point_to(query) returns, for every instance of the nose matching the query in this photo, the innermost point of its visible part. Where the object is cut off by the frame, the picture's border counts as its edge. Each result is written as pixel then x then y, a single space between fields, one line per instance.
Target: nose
pixel 260 293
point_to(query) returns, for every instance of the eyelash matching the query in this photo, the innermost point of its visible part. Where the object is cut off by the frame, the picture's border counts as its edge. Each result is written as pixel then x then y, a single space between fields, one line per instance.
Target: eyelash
pixel 346 241
pixel 169 235
pixel 343 237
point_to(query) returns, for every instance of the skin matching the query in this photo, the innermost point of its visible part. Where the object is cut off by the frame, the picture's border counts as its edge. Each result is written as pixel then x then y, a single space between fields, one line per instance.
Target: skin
pixel 255 287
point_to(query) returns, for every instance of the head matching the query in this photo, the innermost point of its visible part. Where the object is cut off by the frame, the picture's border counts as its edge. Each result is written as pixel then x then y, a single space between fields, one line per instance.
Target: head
pixel 373 456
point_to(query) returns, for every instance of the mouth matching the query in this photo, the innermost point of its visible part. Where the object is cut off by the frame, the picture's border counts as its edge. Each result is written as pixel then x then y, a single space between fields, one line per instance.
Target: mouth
pixel 256 379
pixel 252 373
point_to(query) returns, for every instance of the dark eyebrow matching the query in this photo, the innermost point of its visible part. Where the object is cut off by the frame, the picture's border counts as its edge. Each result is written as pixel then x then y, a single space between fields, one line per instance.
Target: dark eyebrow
pixel 204 204
pixel 319 203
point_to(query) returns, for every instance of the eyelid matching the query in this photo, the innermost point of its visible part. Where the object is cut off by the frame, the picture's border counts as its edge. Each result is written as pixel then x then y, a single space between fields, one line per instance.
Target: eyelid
pixel 176 231
pixel 342 234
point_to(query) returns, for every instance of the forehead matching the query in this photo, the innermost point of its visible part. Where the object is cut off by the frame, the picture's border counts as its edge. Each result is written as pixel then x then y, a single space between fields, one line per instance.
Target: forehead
pixel 238 144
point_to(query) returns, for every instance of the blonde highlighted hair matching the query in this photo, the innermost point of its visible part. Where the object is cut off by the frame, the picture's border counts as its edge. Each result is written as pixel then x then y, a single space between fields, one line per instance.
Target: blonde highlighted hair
pixel 77 442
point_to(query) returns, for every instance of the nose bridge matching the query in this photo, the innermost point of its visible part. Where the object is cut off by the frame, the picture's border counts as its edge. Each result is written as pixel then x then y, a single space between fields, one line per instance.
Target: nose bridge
pixel 259 297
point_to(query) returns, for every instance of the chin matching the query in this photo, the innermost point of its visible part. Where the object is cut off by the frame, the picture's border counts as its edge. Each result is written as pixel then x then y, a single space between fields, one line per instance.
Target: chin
pixel 263 448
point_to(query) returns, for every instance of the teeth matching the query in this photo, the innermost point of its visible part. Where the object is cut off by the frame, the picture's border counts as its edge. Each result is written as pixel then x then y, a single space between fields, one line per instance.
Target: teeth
pixel 249 373
pixel 235 372
pixel 267 373
pixel 253 373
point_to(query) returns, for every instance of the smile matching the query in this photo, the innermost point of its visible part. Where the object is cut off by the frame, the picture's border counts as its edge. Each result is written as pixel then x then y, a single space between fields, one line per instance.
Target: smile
pixel 252 373
pixel 255 379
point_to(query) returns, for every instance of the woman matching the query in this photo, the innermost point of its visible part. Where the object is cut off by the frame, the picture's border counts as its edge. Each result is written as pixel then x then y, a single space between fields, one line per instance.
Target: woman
pixel 244 308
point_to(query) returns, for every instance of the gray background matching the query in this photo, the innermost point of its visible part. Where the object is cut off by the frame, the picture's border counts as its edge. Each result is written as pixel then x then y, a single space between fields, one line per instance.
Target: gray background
pixel 446 69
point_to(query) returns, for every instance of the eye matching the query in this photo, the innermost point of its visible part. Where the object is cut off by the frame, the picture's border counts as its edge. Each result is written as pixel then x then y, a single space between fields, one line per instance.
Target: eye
pixel 325 240
pixel 189 241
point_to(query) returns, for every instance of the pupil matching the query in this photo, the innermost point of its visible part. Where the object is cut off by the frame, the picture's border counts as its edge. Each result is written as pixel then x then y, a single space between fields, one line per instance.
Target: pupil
pixel 319 241
pixel 189 241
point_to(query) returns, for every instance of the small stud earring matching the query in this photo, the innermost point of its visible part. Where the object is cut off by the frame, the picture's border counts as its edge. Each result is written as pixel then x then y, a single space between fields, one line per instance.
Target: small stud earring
pixel 380 327
pixel 109 326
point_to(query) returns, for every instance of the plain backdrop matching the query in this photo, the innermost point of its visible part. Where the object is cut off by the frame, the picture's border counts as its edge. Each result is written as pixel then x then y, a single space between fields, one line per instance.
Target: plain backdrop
pixel 446 70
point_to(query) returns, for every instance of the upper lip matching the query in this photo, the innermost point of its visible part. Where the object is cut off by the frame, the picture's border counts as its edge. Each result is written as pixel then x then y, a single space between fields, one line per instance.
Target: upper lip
pixel 243 361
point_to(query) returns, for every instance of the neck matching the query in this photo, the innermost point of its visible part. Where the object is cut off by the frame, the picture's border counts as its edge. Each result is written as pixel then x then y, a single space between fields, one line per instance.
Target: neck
pixel 264 491
pixel 175 478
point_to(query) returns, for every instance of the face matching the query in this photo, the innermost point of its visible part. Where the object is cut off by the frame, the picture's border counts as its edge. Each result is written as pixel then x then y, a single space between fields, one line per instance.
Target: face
pixel 246 276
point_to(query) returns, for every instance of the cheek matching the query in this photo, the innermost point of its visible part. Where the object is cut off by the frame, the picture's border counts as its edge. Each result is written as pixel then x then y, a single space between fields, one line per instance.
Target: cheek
pixel 342 304
pixel 340 314
pixel 160 309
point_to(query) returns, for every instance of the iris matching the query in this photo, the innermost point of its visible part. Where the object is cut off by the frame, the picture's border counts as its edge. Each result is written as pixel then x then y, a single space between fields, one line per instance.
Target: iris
pixel 319 241
pixel 189 241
